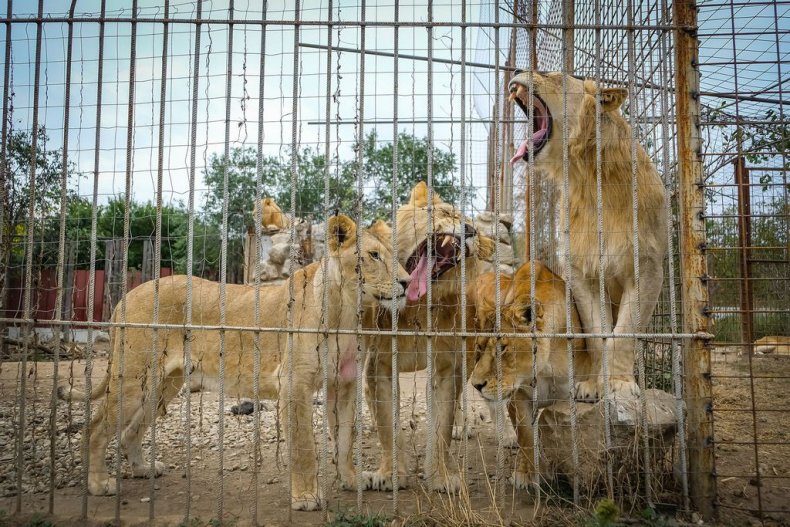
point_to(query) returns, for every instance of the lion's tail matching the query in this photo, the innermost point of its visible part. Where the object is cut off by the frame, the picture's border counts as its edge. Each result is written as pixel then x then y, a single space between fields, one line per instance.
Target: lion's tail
pixel 66 393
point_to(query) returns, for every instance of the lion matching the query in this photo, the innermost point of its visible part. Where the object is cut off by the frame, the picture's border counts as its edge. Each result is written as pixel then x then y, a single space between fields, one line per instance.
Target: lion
pixel 773 344
pixel 272 217
pixel 351 264
pixel 433 259
pixel 624 168
pixel 548 309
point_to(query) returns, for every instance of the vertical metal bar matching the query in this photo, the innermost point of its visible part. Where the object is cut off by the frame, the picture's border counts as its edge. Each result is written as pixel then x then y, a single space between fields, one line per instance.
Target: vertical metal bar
pixel 92 276
pixel 53 413
pixel 500 430
pixel 223 272
pixel 359 392
pixel 693 266
pixel 677 382
pixel 129 173
pixel 568 16
pixel 324 458
pixel 5 237
pixel 190 262
pixel 28 325
pixel 463 204
pixel 744 254
pixel 256 367
pixel 393 212
pixel 431 445
pixel 637 313
pixel 292 241
pixel 157 261
pixel 569 35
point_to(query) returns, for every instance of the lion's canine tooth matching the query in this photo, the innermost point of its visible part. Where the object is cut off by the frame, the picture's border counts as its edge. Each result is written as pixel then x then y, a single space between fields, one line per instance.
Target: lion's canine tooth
pixel 446 240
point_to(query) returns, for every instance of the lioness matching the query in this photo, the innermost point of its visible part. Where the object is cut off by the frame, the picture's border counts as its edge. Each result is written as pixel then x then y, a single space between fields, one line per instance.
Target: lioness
pixel 623 165
pixel 551 354
pixel 292 379
pixel 773 344
pixel 272 217
pixel 450 242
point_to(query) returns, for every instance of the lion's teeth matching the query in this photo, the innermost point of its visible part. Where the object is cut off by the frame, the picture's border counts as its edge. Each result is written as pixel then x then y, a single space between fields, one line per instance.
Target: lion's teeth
pixel 446 240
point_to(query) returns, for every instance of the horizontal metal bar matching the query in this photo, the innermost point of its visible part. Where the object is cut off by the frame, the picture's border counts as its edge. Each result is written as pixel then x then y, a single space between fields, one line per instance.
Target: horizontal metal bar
pixel 330 23
pixel 313 331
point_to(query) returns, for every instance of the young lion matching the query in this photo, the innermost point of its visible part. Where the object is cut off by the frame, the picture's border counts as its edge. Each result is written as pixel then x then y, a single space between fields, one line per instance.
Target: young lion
pixel 622 164
pixel 551 354
pixel 293 379
pixel 450 242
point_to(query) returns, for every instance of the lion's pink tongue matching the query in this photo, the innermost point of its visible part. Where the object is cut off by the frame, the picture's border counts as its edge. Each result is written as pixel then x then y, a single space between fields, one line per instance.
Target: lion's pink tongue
pixel 520 153
pixel 418 285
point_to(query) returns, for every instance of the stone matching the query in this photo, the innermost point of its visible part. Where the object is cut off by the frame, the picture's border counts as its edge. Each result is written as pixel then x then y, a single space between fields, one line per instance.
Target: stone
pixel 625 415
pixel 279 253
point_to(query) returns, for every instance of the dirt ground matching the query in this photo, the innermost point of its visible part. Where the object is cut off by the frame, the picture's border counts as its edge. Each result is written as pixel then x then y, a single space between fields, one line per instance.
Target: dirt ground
pixel 234 492
pixel 738 461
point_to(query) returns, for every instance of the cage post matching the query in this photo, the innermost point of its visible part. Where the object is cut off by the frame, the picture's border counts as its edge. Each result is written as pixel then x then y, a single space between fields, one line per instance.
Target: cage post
pixel 697 382
pixel 568 35
pixel 744 255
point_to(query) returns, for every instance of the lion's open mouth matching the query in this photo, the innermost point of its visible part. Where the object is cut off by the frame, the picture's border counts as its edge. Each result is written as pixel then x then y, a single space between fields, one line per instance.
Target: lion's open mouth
pixel 541 126
pixel 447 252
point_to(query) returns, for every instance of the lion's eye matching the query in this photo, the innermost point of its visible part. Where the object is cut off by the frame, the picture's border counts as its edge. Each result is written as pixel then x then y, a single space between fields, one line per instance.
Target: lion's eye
pixel 375 255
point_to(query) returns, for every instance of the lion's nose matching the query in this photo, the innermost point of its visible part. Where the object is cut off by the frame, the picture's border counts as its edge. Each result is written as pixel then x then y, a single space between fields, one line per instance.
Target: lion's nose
pixel 479 387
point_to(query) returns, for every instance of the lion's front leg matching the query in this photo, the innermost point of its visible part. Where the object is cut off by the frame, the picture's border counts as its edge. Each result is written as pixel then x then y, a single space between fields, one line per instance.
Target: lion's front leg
pixel 341 408
pixel 297 405
pixel 636 308
pixel 378 391
pixel 520 409
pixel 588 304
pixel 443 476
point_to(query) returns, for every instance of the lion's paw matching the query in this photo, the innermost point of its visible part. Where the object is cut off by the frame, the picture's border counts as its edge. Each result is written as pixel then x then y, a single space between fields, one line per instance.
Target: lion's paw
pixel 103 487
pixel 521 480
pixel 624 387
pixel 143 471
pixel 450 484
pixel 306 501
pixel 587 391
pixel 381 481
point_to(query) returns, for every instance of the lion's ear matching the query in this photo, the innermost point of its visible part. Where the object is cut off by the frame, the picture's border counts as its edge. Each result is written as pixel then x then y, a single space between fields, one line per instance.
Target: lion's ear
pixel 342 232
pixel 613 98
pixel 381 230
pixel 419 195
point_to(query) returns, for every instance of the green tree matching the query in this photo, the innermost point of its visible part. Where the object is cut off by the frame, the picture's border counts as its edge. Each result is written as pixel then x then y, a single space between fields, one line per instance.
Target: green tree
pixel 412 168
pixel 142 227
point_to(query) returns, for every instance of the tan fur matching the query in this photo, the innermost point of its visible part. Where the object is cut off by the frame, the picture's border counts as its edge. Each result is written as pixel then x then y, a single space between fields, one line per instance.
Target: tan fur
pixel 412 224
pixel 628 307
pixel 341 280
pixel 272 217
pixel 551 353
pixel 773 344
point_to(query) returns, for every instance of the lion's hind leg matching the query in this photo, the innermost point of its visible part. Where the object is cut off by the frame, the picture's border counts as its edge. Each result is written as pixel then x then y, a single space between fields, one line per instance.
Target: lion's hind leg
pixel 140 420
pixel 98 437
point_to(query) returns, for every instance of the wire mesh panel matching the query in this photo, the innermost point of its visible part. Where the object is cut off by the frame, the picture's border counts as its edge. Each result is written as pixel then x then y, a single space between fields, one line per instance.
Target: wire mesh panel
pixel 743 49
pixel 284 262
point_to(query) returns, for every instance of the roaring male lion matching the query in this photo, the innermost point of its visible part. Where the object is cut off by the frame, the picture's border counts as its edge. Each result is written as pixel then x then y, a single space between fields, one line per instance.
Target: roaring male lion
pixel 432 241
pixel 293 380
pixel 550 355
pixel 625 169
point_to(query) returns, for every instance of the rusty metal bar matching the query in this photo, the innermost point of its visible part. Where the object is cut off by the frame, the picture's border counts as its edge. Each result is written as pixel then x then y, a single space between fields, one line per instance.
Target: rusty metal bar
pixel 697 361
pixel 744 260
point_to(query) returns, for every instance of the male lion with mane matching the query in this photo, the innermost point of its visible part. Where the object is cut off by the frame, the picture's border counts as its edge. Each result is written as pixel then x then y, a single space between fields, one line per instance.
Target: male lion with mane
pixel 551 354
pixel 624 168
pixel 432 242
pixel 342 271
